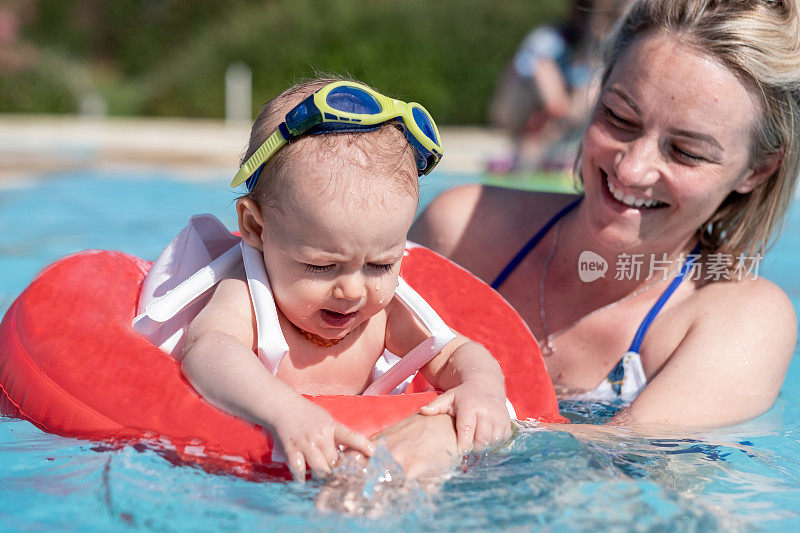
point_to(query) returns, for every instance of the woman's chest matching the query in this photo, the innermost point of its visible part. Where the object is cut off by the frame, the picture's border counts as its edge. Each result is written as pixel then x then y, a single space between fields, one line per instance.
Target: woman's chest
pixel 580 349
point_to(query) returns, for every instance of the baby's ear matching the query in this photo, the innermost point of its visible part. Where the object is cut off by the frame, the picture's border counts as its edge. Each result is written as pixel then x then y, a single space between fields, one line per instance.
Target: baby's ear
pixel 251 223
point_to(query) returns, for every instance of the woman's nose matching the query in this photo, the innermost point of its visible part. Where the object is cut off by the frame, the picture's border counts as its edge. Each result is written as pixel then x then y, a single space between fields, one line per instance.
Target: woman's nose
pixel 639 162
pixel 350 287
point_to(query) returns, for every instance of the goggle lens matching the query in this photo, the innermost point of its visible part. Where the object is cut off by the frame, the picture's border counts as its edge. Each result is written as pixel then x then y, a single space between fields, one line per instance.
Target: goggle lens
pixel 353 100
pixel 302 117
pixel 423 120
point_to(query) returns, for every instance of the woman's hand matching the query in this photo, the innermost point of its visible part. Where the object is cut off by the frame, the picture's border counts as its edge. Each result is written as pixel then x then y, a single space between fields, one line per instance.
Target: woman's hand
pixel 422 445
pixel 425 447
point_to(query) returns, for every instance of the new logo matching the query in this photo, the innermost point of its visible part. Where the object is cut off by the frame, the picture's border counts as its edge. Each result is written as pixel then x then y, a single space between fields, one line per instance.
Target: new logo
pixel 591 266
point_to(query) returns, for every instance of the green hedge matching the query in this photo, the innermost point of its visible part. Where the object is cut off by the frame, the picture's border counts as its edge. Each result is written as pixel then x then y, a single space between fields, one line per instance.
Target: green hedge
pixel 149 57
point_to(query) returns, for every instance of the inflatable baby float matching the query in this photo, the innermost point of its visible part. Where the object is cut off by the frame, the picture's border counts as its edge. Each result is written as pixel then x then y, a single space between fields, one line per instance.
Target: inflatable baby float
pixel 72 363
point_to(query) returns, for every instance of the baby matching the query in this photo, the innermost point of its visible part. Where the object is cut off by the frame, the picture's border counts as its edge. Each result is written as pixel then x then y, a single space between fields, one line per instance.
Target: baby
pixel 330 212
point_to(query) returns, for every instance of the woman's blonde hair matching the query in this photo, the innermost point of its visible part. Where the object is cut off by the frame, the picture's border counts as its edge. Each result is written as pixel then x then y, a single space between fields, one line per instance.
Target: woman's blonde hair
pixel 759 40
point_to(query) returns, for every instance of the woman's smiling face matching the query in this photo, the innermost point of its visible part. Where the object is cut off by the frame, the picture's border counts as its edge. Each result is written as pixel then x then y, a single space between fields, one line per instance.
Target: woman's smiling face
pixel 668 141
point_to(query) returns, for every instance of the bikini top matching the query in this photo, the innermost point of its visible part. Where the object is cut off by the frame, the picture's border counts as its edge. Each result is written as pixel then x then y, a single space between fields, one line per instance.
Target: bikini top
pixel 627 379
pixel 177 287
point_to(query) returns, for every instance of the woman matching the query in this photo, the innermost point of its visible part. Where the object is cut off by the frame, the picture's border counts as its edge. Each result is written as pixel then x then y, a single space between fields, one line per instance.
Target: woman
pixel 692 151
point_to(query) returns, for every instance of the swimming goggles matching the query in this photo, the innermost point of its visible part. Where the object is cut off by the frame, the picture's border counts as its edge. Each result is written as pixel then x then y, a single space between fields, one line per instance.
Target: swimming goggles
pixel 346 106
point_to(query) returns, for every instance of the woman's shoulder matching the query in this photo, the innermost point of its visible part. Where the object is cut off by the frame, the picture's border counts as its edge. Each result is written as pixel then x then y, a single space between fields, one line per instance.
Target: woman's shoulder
pixel 483 224
pixel 753 297
pixel 751 320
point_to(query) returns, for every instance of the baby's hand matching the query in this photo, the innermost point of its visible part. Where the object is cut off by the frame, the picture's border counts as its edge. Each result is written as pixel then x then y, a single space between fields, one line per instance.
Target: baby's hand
pixel 481 418
pixel 308 434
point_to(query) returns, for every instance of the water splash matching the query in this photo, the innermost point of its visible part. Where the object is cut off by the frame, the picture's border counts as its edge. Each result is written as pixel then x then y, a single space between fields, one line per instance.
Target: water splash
pixel 370 489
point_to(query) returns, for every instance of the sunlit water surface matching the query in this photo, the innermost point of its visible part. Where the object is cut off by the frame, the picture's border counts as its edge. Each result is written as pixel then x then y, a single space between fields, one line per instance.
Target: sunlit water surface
pixel 737 479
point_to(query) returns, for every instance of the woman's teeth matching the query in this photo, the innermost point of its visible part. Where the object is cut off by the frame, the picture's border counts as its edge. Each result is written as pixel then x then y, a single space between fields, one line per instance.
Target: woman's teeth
pixel 630 200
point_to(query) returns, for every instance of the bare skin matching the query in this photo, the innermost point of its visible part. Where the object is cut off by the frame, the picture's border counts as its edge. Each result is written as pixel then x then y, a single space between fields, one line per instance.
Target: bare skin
pixel 333 262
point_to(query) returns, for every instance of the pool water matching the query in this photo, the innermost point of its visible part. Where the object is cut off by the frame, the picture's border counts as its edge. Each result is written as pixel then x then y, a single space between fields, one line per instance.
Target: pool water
pixel 736 479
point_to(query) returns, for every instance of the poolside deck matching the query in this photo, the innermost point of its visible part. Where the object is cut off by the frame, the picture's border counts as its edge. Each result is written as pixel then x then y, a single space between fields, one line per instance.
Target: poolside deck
pixel 34 145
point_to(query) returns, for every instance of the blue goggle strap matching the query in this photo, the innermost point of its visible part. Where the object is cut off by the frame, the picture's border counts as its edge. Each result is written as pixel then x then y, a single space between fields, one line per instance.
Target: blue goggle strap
pixel 251 181
pixel 426 159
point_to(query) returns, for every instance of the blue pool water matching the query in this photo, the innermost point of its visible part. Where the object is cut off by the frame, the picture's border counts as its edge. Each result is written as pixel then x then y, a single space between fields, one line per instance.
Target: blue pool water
pixel 736 479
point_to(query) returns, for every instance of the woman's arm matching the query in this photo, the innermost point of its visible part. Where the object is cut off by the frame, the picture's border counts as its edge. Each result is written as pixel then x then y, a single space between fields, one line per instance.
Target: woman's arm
pixel 552 89
pixel 730 366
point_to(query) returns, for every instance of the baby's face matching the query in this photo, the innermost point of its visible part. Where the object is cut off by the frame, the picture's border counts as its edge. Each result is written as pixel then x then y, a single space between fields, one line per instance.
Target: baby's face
pixel 333 255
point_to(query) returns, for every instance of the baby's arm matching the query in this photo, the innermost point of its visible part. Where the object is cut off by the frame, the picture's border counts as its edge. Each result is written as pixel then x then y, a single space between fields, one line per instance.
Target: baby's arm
pixel 219 361
pixel 473 382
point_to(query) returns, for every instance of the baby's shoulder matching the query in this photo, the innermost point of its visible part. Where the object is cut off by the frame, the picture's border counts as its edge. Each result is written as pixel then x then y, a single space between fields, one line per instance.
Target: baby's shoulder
pixel 230 299
pixel 228 310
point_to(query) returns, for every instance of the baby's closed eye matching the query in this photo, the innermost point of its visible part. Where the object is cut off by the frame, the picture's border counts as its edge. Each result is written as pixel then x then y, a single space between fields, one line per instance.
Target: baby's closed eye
pixel 318 268
pixel 381 268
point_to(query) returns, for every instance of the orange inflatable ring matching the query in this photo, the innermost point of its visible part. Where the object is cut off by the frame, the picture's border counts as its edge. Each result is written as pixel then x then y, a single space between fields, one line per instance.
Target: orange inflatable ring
pixel 72 365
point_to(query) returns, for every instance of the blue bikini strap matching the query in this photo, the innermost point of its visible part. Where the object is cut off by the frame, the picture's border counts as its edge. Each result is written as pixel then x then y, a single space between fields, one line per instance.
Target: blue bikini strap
pixel 651 315
pixel 531 244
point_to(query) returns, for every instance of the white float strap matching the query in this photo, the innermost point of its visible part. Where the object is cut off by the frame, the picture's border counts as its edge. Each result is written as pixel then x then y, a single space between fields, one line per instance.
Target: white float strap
pixel 167 306
pixel 424 352
pixel 272 345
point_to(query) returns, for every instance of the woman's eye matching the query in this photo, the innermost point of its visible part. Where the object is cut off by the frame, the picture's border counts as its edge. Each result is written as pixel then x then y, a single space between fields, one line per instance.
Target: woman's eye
pixel 618 120
pixel 319 268
pixel 381 268
pixel 686 156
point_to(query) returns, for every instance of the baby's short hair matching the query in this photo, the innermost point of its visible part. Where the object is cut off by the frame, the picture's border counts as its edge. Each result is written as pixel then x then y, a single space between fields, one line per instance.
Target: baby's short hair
pixel 385 148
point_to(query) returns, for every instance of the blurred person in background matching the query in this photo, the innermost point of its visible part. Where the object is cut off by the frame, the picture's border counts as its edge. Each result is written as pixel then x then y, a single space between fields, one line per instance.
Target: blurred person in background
pixel 15 54
pixel 545 93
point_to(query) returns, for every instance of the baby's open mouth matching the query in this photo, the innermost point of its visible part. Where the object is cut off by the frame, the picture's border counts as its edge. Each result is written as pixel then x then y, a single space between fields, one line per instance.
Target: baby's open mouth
pixel 336 319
